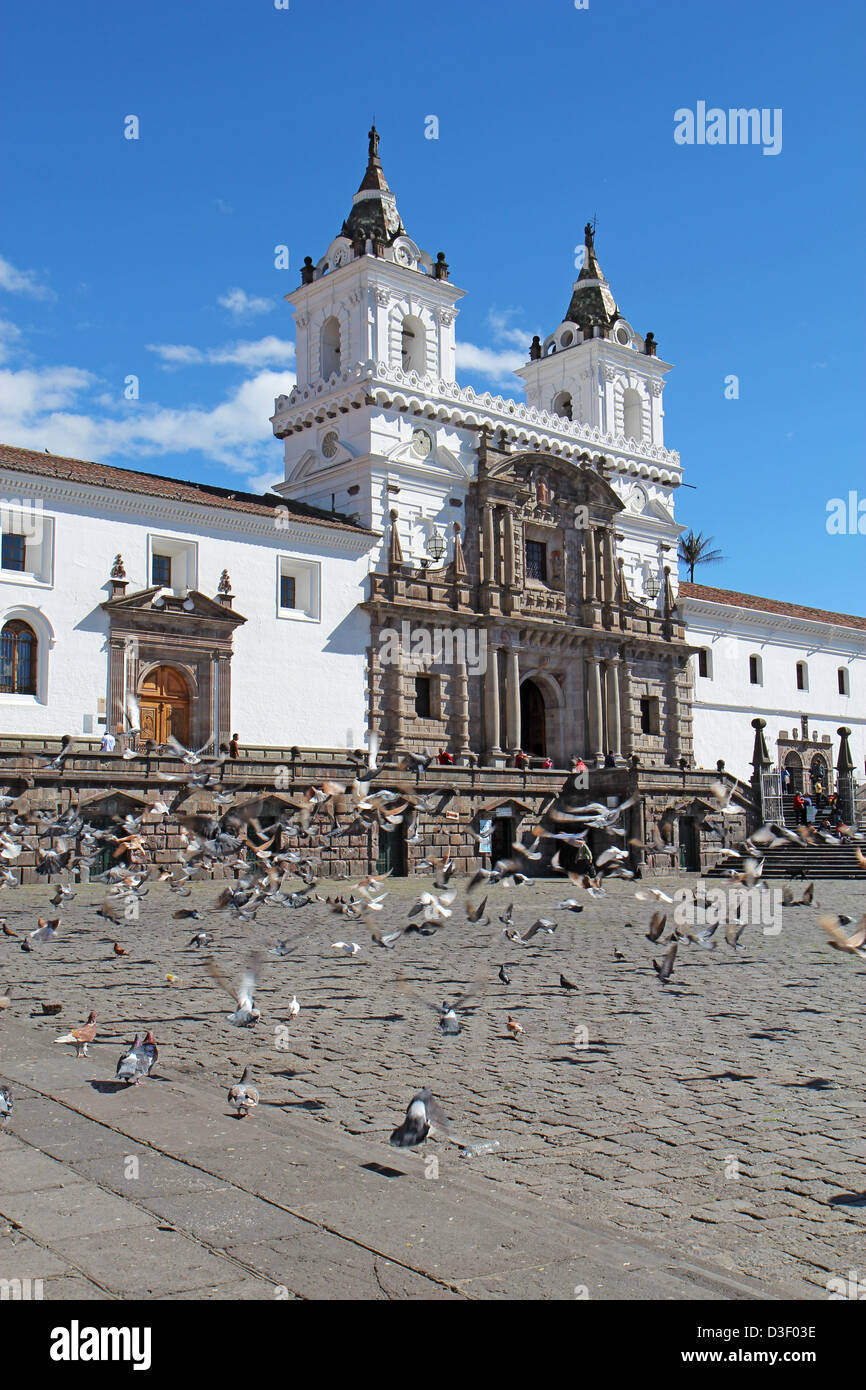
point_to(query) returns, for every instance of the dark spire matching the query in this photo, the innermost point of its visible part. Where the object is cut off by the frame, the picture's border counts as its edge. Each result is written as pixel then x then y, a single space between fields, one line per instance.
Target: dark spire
pixel 374 216
pixel 592 304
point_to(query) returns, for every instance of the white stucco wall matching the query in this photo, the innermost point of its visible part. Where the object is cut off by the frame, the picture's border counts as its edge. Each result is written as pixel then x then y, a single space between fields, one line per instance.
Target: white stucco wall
pixel 726 702
pixel 294 680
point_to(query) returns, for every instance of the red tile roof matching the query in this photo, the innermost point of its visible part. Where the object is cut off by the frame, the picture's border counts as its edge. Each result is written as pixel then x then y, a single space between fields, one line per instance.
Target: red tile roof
pixel 157 485
pixel 769 605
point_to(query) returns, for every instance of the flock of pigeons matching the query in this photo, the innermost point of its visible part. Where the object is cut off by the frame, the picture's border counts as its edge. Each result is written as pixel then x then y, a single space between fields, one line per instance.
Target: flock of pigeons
pixel 275 865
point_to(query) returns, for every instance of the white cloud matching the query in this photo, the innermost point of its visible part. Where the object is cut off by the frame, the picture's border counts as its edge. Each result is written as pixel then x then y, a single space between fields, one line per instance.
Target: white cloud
pixel 488 362
pixel 497 321
pixel 243 305
pixel 9 334
pixel 55 408
pixel 263 352
pixel 22 281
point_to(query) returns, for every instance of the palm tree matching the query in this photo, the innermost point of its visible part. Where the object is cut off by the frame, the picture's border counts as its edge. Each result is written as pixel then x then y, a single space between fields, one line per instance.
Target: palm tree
pixel 695 550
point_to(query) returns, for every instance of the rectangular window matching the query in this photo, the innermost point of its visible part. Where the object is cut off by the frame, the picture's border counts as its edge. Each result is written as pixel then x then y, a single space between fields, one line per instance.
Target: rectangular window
pixel 287 591
pixel 801 676
pixel 160 571
pixel 703 665
pixel 754 671
pixel 536 560
pixel 298 597
pixel 423 700
pixel 13 552
pixel 842 675
pixel 649 714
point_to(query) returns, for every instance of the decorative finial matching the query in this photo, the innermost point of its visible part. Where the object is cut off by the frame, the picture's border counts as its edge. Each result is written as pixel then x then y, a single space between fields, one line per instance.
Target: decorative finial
pixel 117 569
pixel 440 269
pixel 373 136
pixel 225 584
pixel 535 349
pixel 650 345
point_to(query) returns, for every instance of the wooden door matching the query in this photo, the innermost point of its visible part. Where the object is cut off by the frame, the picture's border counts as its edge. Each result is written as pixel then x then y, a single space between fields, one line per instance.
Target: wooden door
pixel 164 706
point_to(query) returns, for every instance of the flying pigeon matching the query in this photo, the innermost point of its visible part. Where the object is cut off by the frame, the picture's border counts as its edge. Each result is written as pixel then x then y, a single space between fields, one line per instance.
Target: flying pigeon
pixel 424 1114
pixel 246 1013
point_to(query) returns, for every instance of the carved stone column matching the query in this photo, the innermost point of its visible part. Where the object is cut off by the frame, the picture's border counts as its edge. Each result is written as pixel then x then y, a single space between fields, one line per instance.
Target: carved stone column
pixel 673 715
pixel 609 585
pixel 116 718
pixel 394 706
pixel 512 700
pixel 460 696
pixel 508 547
pixel 614 717
pixel 491 706
pixel 589 566
pixel 627 712
pixel 593 707
pixel 488 549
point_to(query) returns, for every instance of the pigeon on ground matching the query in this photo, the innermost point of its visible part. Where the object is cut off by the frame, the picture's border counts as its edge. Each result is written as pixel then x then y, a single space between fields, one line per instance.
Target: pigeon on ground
pixel 504 975
pixel 81 1036
pixel 243 1096
pixel 6 1103
pixel 348 948
pixel 514 1027
pixel 201 938
pixel 133 1066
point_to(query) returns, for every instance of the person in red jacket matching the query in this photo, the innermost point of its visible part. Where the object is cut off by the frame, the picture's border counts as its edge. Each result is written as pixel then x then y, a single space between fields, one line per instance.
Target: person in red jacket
pixel 445 756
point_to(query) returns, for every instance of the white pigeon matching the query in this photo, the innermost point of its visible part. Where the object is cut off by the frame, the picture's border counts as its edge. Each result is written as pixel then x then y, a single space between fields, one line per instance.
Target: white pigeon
pixel 246 1013
pixel 294 1008
pixel 348 948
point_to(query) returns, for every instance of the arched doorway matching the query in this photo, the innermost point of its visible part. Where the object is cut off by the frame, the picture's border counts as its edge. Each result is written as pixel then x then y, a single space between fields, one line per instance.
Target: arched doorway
pixel 533 724
pixel 164 699
pixel 794 764
pixel 818 773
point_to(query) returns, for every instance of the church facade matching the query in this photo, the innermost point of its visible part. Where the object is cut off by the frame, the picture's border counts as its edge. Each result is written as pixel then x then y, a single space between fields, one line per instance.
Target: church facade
pixel 449 569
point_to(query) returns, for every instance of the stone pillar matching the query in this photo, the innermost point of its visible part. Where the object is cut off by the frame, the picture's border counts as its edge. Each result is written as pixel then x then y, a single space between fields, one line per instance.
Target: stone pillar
pixel 589 565
pixel 460 696
pixel 673 716
pixel 512 700
pixel 115 722
pixel 488 551
pixel 508 547
pixel 614 718
pixel 593 708
pixel 224 731
pixel 394 706
pixel 491 706
pixel 627 712
pixel 609 586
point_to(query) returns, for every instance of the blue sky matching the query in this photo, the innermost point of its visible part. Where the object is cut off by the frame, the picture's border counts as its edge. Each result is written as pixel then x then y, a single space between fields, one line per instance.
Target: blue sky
pixel 155 257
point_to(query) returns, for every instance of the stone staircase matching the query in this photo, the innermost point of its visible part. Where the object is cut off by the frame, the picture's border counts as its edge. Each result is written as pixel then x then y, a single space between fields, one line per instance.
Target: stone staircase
pixel 807 862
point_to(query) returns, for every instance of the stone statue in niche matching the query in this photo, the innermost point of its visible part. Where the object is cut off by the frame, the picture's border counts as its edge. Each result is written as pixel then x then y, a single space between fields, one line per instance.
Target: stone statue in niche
pixel 543 494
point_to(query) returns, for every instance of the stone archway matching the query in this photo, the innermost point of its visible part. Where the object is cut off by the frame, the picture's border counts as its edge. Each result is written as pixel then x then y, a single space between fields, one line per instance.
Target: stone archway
pixel 794 764
pixel 533 720
pixel 165 702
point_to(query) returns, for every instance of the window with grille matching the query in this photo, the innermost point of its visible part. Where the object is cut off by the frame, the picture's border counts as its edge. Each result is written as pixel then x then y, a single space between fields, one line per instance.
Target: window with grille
pixel 287 591
pixel 18 659
pixel 536 560
pixel 160 571
pixel 13 552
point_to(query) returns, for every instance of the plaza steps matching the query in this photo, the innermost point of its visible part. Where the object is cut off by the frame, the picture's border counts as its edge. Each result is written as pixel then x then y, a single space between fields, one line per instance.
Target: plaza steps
pixel 808 862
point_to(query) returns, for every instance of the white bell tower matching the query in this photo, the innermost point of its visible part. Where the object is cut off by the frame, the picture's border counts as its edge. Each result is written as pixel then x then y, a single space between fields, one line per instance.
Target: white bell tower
pixel 594 368
pixel 375 311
